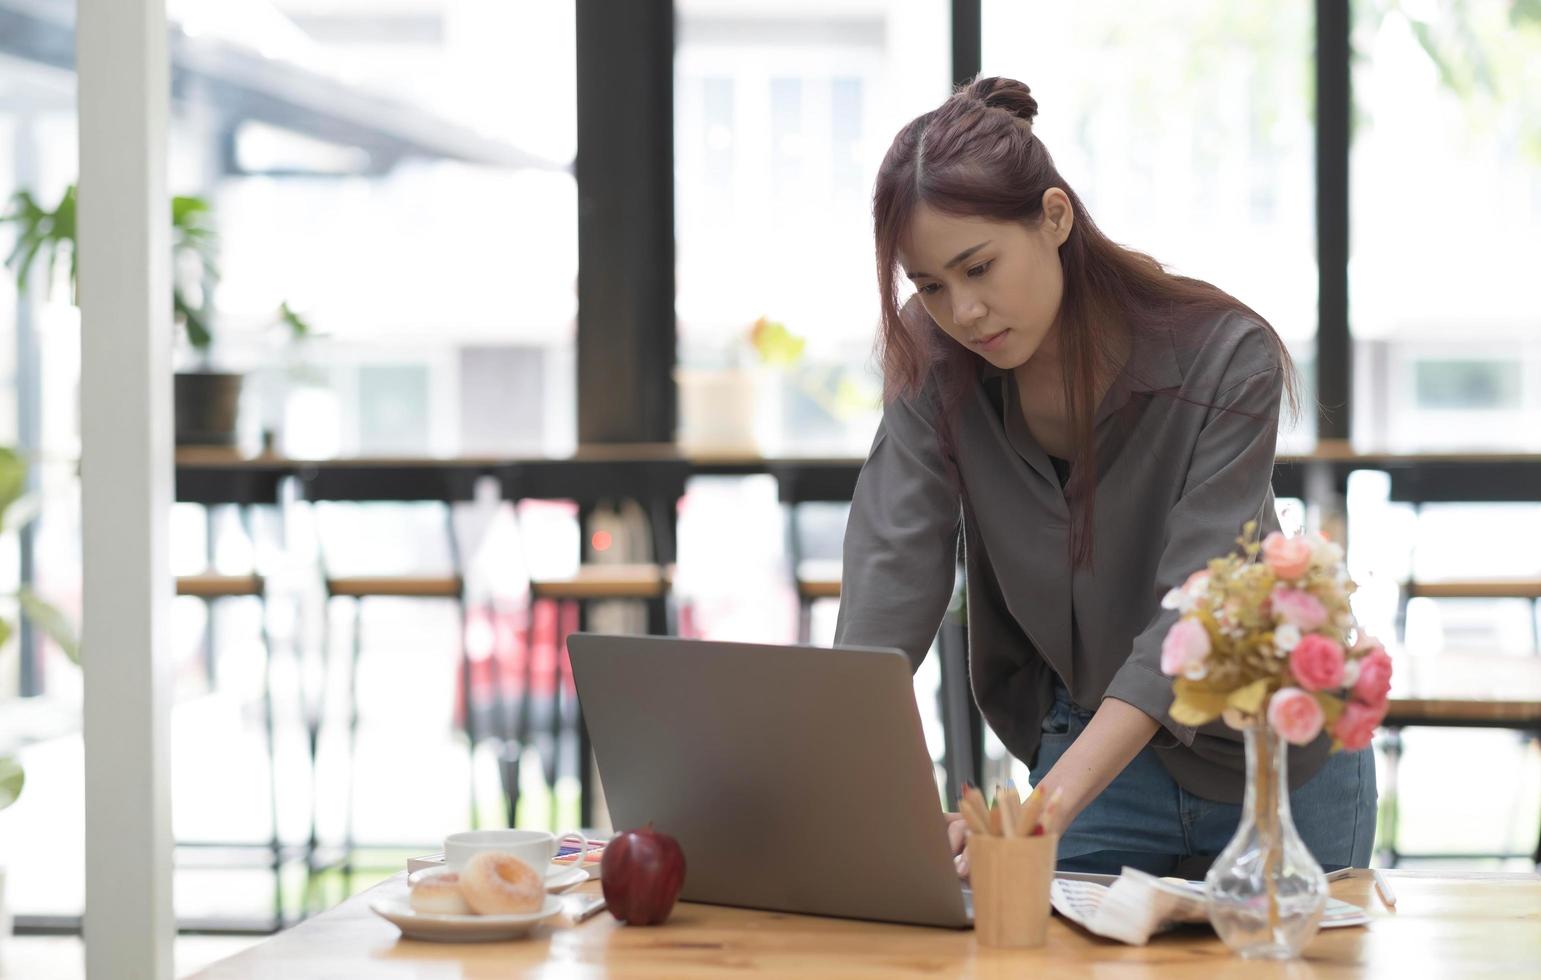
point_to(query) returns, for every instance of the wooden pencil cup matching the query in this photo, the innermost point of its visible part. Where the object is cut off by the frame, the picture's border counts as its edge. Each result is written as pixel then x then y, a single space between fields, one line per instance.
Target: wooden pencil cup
pixel 1010 878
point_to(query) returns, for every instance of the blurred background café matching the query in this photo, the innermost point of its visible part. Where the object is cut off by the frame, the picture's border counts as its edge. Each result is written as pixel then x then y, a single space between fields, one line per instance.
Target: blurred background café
pixel 498 320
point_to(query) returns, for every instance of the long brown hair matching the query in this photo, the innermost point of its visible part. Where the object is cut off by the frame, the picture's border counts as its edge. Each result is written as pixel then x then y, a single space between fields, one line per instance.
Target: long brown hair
pixel 976 156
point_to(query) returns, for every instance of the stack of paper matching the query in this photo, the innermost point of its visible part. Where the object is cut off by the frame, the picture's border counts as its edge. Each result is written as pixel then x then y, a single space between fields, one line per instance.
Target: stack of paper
pixel 1137 905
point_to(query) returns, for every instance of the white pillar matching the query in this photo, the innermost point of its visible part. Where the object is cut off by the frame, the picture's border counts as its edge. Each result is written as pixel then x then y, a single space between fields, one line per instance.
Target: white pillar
pixel 125 422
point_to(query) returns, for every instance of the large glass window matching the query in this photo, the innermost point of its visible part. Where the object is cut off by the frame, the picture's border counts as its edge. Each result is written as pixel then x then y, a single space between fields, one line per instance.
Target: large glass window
pixel 1186 129
pixel 1446 225
pixel 441 239
pixel 398 174
pixel 783 113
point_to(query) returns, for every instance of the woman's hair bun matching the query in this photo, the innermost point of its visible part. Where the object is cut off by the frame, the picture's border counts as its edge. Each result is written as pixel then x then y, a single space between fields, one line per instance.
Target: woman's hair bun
pixel 1004 93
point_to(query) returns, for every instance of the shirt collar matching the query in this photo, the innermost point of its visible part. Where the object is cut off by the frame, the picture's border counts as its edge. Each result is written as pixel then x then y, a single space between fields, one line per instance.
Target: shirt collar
pixel 1152 364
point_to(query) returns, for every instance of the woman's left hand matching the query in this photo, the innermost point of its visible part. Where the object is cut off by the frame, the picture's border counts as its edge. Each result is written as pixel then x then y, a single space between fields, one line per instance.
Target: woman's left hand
pixel 957 837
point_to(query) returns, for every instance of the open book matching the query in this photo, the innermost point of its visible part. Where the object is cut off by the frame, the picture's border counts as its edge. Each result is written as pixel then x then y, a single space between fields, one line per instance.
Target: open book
pixel 1135 905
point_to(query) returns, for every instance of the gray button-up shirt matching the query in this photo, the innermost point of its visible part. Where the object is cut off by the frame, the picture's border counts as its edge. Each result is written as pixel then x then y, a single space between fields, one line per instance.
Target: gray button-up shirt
pixel 1185 447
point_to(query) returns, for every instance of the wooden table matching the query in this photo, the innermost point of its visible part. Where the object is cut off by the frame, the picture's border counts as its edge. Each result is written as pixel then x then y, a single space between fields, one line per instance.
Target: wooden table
pixel 1444 925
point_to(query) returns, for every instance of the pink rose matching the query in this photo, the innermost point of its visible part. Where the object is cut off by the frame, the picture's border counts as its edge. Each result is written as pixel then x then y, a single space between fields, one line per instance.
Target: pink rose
pixel 1295 715
pixel 1374 682
pixel 1186 645
pixel 1317 663
pixel 1288 557
pixel 1356 725
pixel 1299 608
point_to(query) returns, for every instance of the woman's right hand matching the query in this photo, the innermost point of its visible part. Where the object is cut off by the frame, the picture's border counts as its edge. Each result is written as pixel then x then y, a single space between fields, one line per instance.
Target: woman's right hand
pixel 957 837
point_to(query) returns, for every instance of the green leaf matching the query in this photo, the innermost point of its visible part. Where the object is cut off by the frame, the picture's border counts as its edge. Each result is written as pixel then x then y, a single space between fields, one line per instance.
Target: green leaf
pixel 1331 708
pixel 12 779
pixel 187 209
pixel 13 478
pixel 775 344
pixel 39 233
pixel 47 235
pixel 62 238
pixel 64 216
pixel 192 233
pixel 22 512
pixel 1195 703
pixel 193 321
pixel 1185 713
pixel 1249 700
pixel 22 256
pixel 54 624
pixel 299 327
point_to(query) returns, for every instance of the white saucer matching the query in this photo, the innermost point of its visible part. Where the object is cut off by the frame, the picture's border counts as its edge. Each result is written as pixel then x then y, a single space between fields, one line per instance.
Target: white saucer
pixel 434 927
pixel 558 879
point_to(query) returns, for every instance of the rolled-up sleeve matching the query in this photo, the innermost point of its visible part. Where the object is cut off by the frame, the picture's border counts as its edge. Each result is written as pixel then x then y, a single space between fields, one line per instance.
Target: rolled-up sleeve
pixel 1229 483
pixel 901 537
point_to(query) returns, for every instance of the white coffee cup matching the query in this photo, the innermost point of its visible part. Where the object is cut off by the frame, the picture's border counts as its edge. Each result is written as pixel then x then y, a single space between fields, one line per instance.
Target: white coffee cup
pixel 534 847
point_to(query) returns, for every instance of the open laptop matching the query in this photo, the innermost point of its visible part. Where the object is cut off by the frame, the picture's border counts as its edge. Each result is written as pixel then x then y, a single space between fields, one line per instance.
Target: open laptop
pixel 794 778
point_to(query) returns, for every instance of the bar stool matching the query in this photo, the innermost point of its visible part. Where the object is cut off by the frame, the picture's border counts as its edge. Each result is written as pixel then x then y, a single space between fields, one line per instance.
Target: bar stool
pixel 1418 485
pixel 246 491
pixel 804 483
pixel 434 483
pixel 656 486
pixel 1434 483
pixel 1527 589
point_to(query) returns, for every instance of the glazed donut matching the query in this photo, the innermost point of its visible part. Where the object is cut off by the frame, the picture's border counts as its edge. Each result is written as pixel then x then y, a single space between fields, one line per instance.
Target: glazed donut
pixel 494 883
pixel 439 894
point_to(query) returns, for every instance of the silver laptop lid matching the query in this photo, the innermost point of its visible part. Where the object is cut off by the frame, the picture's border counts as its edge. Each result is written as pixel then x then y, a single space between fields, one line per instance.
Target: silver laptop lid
pixel 794 778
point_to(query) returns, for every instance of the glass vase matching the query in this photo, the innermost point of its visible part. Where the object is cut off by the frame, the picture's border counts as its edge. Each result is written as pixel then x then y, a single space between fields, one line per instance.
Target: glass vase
pixel 1266 892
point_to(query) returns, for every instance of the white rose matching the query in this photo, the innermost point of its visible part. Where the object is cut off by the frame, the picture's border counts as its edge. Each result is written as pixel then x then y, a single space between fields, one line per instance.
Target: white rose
pixel 1286 638
pixel 1177 599
pixel 1324 553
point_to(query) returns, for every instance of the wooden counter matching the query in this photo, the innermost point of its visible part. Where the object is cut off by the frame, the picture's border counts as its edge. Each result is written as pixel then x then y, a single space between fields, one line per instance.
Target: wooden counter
pixel 1444 925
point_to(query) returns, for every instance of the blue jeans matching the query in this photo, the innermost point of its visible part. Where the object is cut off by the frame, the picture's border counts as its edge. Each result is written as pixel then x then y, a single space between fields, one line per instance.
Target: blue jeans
pixel 1145 820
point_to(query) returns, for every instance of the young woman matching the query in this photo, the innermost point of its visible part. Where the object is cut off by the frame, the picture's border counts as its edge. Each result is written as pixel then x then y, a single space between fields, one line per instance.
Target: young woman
pixel 1093 429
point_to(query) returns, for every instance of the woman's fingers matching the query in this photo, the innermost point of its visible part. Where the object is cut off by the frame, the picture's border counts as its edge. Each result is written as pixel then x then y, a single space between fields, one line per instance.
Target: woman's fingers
pixel 957 832
pixel 957 837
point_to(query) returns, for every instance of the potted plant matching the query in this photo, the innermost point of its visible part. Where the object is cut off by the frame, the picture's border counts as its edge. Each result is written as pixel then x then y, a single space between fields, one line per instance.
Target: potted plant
pixel 737 407
pixel 206 401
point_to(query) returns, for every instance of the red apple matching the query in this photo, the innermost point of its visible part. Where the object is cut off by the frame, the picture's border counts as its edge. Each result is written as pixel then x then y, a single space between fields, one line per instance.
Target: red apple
pixel 641 874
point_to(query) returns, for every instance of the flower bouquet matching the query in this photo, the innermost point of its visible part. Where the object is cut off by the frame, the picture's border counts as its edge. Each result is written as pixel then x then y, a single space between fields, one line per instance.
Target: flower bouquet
pixel 1266 641
pixel 1275 639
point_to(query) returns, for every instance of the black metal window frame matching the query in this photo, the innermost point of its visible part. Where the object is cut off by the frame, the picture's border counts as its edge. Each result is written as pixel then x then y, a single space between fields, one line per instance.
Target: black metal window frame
pixel 625 170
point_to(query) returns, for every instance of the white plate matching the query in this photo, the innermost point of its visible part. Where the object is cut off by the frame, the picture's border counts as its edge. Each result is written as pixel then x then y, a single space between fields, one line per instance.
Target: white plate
pixel 558 879
pixel 434 927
